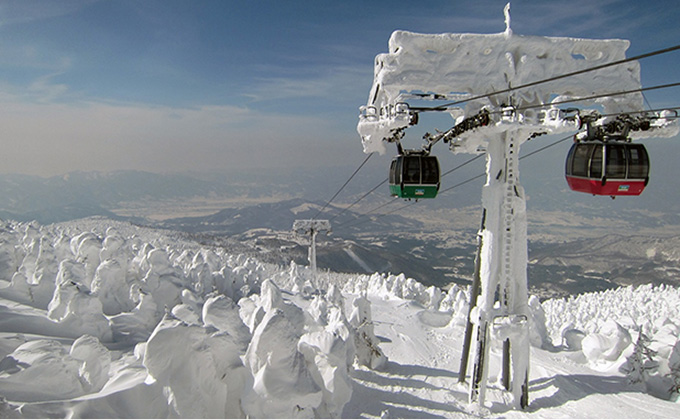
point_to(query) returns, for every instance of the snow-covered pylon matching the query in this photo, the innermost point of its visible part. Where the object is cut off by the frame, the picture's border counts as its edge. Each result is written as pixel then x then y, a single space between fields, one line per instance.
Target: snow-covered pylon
pixel 311 227
pixel 518 82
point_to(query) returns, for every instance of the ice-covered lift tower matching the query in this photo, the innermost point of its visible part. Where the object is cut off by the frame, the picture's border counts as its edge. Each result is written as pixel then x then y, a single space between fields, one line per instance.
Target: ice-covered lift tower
pixel 311 227
pixel 455 67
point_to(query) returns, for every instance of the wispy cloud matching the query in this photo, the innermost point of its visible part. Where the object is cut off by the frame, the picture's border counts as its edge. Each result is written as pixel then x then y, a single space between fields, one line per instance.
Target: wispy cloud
pixel 14 12
pixel 347 84
pixel 44 89
pixel 29 56
pixel 34 75
pixel 277 88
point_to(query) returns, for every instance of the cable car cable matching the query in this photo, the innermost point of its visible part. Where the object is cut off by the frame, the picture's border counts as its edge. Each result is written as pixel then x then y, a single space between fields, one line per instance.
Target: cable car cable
pixel 546 147
pixel 394 200
pixel 587 98
pixel 602 95
pixel 358 218
pixel 460 184
pixel 521 157
pixel 551 79
pixel 390 202
pixel 343 185
pixel 462 164
pixel 360 198
pixel 440 108
pixel 640 90
pixel 649 106
pixel 385 180
pixel 380 184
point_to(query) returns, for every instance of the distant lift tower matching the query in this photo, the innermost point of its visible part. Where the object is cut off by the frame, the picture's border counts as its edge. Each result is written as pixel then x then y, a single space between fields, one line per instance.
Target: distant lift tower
pixel 310 228
pixel 493 75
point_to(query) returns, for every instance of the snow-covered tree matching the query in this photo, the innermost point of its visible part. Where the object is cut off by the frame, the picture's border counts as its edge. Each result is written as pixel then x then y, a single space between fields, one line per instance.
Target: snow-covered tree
pixel 368 352
pixel 674 365
pixel 641 363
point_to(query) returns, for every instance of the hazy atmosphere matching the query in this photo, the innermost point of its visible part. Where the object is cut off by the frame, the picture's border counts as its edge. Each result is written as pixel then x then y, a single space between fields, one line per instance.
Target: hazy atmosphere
pixel 172 86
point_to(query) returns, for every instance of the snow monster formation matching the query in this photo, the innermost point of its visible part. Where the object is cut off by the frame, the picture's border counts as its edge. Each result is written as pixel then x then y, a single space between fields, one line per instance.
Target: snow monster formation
pixel 203 334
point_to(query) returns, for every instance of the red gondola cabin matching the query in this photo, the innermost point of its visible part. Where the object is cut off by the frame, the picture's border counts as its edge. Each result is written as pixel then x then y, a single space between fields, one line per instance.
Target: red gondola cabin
pixel 607 168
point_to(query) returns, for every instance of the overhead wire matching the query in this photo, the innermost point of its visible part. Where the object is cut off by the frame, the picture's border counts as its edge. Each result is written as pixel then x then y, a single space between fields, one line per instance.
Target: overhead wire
pixel 360 198
pixel 481 175
pixel 343 186
pixel 538 150
pixel 395 199
pixel 552 79
pixel 649 106
pixel 602 95
pixel 510 89
pixel 461 165
pixel 392 201
pixel 458 185
pixel 378 186
pixel 673 108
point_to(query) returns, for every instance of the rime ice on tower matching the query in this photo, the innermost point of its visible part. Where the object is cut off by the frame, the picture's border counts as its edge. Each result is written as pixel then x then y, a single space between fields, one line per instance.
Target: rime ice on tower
pixel 311 227
pixel 494 75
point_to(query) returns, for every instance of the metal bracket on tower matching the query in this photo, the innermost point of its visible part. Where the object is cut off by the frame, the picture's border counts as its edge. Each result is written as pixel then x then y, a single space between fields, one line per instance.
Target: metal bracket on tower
pixel 620 128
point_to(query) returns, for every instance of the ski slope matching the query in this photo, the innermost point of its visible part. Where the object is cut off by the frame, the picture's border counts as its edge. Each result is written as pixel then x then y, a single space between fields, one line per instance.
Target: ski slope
pixel 105 319
pixel 421 378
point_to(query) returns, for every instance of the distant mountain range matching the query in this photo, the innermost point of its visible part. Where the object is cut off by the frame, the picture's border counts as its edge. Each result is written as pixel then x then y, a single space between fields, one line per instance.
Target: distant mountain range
pixel 435 253
pixel 81 194
pixel 281 215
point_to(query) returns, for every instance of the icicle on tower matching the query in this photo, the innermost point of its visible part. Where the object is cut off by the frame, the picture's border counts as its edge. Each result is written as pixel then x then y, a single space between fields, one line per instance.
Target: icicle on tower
pixel 479 75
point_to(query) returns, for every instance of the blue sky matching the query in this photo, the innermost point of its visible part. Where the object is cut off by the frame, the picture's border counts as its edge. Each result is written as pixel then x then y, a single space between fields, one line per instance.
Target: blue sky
pixel 174 85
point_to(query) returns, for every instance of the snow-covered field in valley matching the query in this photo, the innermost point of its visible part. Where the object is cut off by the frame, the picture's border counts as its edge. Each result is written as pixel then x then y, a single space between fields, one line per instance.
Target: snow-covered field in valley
pixel 105 319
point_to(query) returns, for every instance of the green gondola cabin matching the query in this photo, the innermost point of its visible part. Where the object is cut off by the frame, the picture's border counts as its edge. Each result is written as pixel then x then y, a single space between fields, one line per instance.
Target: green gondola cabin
pixel 414 176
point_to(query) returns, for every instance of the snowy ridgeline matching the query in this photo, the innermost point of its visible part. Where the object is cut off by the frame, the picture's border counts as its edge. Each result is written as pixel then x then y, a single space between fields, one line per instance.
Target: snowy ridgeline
pixel 101 321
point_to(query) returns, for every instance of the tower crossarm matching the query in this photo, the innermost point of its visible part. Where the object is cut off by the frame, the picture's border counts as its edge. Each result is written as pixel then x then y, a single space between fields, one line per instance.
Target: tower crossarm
pixel 308 226
pixel 435 66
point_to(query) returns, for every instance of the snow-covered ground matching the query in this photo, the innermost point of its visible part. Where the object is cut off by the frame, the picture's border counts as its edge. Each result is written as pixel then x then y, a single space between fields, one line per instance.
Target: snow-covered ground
pixel 105 319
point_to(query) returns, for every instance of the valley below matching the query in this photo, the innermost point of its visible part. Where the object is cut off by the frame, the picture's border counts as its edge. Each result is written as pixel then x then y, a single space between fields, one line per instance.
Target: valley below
pixel 569 254
pixel 576 243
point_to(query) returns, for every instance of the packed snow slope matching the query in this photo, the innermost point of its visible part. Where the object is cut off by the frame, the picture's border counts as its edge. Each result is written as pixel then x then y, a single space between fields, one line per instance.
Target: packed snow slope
pixel 105 319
